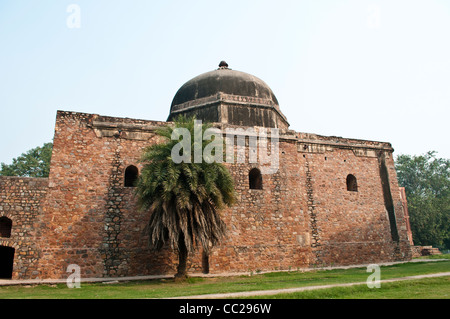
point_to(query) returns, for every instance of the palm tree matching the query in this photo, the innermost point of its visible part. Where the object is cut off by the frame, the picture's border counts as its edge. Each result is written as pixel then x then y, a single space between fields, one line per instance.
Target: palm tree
pixel 183 199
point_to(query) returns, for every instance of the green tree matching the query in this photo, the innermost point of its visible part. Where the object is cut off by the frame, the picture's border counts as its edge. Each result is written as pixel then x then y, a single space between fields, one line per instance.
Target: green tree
pixel 34 163
pixel 184 199
pixel 426 179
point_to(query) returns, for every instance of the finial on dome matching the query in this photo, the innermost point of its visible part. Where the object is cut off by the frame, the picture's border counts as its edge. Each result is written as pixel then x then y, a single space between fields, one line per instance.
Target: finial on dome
pixel 223 65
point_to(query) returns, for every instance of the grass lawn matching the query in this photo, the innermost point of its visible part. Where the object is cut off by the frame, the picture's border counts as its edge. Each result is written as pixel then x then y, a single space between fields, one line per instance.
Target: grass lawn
pixel 196 286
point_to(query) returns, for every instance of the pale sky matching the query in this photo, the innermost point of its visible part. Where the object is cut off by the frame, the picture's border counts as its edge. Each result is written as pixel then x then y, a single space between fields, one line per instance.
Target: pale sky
pixel 366 69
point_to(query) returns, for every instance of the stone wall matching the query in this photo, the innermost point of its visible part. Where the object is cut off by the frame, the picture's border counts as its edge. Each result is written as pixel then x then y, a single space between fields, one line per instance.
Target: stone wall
pixel 354 227
pixel 303 216
pixel 268 228
pixel 90 218
pixel 418 251
pixel 20 201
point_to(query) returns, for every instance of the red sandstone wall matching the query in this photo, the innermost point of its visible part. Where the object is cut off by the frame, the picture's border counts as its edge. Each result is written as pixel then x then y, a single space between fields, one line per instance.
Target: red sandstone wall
pixel 303 216
pixel 20 201
pixel 268 229
pixel 89 216
pixel 353 226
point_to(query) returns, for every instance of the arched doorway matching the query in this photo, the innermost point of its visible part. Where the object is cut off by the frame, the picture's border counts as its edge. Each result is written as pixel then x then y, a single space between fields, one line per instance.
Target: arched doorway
pixel 6 262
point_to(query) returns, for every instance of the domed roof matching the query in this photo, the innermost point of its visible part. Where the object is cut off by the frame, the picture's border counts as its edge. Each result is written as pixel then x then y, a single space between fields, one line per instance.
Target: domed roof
pixel 226 81
pixel 228 87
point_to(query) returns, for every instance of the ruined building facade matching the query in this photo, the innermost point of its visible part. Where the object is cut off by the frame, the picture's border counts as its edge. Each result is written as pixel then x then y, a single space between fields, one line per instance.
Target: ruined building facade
pixel 332 201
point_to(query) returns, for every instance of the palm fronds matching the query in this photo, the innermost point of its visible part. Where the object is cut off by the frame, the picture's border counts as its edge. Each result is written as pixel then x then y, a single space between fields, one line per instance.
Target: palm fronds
pixel 183 199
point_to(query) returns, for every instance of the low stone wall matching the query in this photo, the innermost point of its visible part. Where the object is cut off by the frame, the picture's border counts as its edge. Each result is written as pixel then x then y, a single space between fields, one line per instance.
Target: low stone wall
pixel 418 251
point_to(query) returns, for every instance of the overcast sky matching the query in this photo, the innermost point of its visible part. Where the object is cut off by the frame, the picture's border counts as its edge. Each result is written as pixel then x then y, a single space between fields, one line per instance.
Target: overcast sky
pixel 375 70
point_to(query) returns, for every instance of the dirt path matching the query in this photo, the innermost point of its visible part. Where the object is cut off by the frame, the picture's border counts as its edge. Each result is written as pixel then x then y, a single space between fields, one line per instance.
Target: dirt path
pixel 299 289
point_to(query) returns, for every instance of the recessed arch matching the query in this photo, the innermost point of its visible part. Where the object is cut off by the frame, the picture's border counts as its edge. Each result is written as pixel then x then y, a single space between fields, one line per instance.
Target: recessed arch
pixel 131 176
pixel 205 262
pixel 352 184
pixel 255 179
pixel 5 227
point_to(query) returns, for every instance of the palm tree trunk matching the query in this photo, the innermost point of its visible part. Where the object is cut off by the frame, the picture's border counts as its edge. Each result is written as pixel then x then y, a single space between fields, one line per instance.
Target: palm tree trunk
pixel 182 258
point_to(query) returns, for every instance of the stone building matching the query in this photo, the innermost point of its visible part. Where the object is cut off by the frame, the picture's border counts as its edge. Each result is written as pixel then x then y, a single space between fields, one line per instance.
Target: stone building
pixel 332 201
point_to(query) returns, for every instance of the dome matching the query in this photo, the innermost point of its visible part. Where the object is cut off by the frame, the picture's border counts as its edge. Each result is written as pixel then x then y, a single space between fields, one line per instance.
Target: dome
pixel 228 96
pixel 226 81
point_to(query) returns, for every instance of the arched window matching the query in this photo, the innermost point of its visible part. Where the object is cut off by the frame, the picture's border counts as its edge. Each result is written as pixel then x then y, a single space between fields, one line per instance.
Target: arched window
pixel 255 179
pixel 352 185
pixel 5 227
pixel 131 176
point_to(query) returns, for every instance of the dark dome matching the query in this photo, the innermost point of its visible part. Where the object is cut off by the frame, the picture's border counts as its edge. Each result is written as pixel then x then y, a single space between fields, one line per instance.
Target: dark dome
pixel 226 81
pixel 221 95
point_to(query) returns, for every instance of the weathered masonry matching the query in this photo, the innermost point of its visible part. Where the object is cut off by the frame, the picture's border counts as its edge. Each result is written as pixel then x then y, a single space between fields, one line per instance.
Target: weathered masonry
pixel 333 200
pixel 20 213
